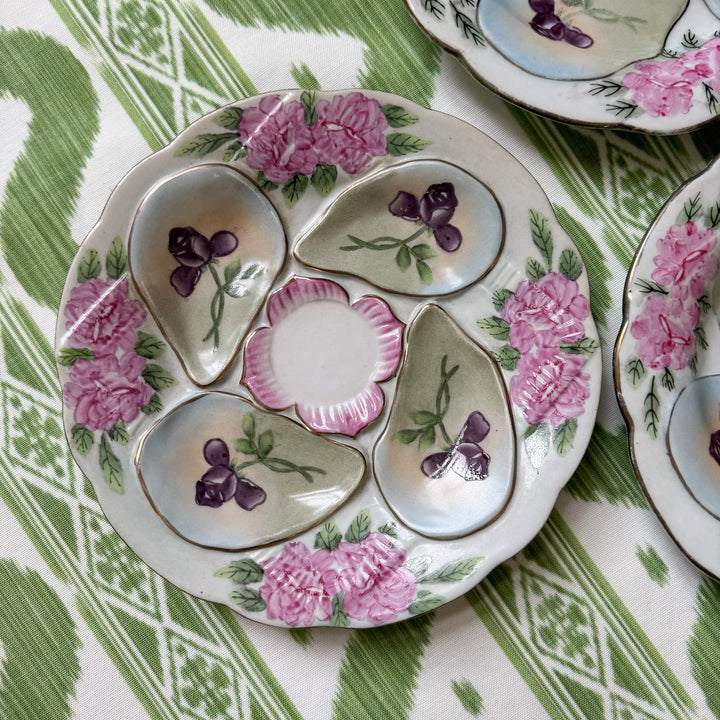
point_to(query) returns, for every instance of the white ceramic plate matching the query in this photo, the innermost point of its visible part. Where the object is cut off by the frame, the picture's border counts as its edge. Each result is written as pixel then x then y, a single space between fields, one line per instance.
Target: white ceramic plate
pixel 666 367
pixel 636 64
pixel 291 390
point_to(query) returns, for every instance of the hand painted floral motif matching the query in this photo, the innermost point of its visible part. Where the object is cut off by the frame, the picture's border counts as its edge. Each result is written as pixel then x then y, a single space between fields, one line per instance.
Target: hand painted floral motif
pixel 460 455
pixel 359 578
pixel 543 322
pixel 433 212
pixel 714 446
pixel 110 379
pixel 197 254
pixel 668 330
pixel 668 86
pixel 227 479
pixel 341 414
pixel 297 143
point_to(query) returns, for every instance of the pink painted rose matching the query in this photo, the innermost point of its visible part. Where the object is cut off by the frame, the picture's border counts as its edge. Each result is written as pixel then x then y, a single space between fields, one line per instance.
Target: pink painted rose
pixel 662 88
pixel 102 318
pixel 550 386
pixel 375 584
pixel 105 390
pixel 545 313
pixel 350 132
pixel 278 141
pixel 685 262
pixel 298 586
pixel 664 331
pixel 705 62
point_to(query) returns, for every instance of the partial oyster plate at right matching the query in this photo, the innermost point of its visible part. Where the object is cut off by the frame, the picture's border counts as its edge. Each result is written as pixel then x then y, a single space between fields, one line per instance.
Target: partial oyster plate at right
pixel 667 362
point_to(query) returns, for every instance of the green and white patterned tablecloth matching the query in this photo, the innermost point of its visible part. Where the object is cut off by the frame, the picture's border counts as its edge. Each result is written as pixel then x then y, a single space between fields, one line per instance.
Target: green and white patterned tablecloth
pixel 601 616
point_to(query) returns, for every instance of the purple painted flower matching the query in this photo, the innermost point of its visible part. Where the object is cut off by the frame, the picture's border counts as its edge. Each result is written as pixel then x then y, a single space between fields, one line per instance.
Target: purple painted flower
pixel 714 448
pixel 372 576
pixel 279 142
pixel 549 25
pixel 405 206
pixel 437 205
pixel 216 486
pixel 102 318
pixel 298 586
pixel 350 132
pixel 107 390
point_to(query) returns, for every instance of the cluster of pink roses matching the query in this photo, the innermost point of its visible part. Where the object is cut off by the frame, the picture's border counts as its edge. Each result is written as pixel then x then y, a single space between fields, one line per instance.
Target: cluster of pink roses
pixel 109 387
pixel 349 132
pixel 542 315
pixel 666 87
pixel 299 585
pixel 665 328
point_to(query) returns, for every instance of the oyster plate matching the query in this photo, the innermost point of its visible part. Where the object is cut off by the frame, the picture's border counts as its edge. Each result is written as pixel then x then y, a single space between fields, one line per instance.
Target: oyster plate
pixel 666 367
pixel 631 65
pixel 314 435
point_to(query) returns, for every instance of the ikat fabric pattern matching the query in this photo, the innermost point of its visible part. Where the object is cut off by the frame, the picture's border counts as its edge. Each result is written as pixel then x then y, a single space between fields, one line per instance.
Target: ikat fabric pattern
pixel 599 617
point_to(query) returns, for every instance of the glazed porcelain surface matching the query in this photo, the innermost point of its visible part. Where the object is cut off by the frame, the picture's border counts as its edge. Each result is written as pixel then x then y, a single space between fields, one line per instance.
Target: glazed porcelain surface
pixel 667 368
pixel 637 64
pixel 328 358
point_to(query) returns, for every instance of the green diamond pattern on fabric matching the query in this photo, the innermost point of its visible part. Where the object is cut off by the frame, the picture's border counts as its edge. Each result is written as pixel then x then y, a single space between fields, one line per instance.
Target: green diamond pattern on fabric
pixel 623 710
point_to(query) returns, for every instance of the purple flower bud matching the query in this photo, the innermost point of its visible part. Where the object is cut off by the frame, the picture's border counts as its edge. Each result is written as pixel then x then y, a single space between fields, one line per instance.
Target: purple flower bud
pixel 184 279
pixel 216 486
pixel 438 205
pixel 189 247
pixel 475 429
pixel 248 495
pixel 542 6
pixel 577 38
pixel 478 461
pixel 406 206
pixel 223 243
pixel 714 448
pixel 549 25
pixel 216 452
pixel 435 465
pixel 448 237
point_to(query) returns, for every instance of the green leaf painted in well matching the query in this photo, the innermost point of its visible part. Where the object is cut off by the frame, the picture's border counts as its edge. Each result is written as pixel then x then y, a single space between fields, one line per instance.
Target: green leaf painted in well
pixel 541 236
pixel 149 346
pixel 308 99
pixel 454 571
pixel 110 465
pixel 228 118
pixel 323 178
pixel 403 144
pixel 242 572
pixel 359 528
pixel 570 264
pixel 564 436
pixel 67 356
pixel 507 357
pixel 329 537
pixel 89 267
pixel 82 438
pixel 153 405
pixel 338 618
pixel 499 297
pixel 116 262
pixel 397 116
pixel 534 269
pixel 495 326
pixel 248 599
pixel 425 601
pixel 157 377
pixel 119 433
pixel 584 346
pixel 294 188
pixel 204 144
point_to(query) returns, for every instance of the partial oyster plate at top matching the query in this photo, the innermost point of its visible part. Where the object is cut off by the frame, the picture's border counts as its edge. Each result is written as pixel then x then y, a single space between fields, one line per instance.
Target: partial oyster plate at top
pixel 269 420
pixel 635 64
pixel 667 369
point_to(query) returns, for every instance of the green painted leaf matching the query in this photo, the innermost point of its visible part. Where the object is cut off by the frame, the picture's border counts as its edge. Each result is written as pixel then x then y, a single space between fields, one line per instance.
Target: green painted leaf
pixel 89 267
pixel 454 571
pixel 329 536
pixel 507 357
pixel 265 443
pixel 402 258
pixel 110 466
pixel 427 438
pixel 264 184
pixel 423 251
pixel 407 436
pixel 294 188
pixel 499 297
pixel 116 262
pixel 153 405
pixel 67 356
pixel 418 565
pixel 534 269
pixel 149 346
pixel 338 617
pixel 204 144
pixel 248 599
pixel 635 371
pixel 424 417
pixel 235 151
pixel 389 529
pixel 323 178
pixel 359 528
pixel 425 601
pixel 247 447
pixel 584 346
pixel 537 443
pixel 118 433
pixel 398 116
pixel 495 326
pixel 82 438
pixel 228 118
pixel 248 425
pixel 157 377
pixel 242 572
pixel 424 272
pixel 541 236
pixel 652 411
pixel 564 435
pixel 235 285
pixel 252 271
pixel 308 99
pixel 403 144
pixel 571 265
